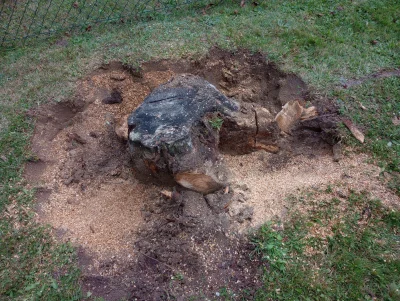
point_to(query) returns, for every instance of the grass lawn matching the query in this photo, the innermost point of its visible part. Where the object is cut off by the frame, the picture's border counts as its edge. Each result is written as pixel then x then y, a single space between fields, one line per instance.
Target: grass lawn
pixel 335 249
pixel 325 42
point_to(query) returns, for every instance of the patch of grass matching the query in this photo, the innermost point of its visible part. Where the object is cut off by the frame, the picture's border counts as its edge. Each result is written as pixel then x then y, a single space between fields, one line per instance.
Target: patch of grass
pixel 32 265
pixel 375 107
pixel 25 21
pixel 216 123
pixel 340 250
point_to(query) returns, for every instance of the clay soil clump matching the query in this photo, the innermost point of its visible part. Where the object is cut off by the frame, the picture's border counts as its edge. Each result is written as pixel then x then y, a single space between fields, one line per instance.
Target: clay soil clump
pixel 140 240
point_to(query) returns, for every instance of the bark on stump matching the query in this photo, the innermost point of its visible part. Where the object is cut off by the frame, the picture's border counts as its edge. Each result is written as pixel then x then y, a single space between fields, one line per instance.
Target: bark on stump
pixel 174 134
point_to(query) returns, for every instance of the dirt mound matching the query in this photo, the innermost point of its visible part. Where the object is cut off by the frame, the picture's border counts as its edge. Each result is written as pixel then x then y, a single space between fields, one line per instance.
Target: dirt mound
pixel 135 242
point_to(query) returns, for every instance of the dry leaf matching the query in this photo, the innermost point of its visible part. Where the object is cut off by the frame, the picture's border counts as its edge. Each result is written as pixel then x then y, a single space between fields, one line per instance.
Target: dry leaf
pixel 242 3
pixel 354 130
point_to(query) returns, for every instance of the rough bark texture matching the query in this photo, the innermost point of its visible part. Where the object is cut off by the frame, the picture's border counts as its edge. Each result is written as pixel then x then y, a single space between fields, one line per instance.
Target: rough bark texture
pixel 173 132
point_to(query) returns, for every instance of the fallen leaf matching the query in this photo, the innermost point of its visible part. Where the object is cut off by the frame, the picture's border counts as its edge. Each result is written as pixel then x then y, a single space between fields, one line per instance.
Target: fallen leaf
pixel 242 3
pixel 354 130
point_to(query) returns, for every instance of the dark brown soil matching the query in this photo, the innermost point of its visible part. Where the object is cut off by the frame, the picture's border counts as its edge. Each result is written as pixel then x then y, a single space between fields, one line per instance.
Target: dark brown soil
pixel 184 250
pixel 133 242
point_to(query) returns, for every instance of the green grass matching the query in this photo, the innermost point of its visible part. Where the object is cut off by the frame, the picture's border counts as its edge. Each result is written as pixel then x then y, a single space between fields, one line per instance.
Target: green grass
pixel 381 102
pixel 24 21
pixel 336 250
pixel 33 266
pixel 325 42
pixel 216 122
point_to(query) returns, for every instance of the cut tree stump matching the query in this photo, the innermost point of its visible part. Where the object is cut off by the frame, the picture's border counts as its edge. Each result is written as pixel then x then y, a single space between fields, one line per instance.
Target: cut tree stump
pixel 177 132
pixel 174 134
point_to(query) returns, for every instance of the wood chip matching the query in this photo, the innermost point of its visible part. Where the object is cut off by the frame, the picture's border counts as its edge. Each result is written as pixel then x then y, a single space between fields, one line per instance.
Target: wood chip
pixel 354 130
pixel 226 191
pixel 76 137
pixel 289 115
pixel 268 148
pixel 309 113
pixel 167 194
pixel 226 206
pixel 198 182
pixel 118 77
pixel 122 129
pixel 362 106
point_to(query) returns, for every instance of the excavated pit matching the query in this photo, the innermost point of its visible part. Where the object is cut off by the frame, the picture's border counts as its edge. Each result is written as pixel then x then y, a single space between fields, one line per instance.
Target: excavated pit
pixel 142 241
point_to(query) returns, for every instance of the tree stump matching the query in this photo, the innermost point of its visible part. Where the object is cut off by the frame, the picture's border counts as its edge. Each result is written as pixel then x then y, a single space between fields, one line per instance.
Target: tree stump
pixel 174 134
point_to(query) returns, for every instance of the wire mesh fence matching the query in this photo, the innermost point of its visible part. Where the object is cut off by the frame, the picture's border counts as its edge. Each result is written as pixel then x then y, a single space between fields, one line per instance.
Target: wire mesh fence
pixel 25 20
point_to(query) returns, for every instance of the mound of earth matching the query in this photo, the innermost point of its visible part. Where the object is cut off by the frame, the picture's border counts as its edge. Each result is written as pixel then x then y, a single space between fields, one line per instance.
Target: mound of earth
pixel 140 240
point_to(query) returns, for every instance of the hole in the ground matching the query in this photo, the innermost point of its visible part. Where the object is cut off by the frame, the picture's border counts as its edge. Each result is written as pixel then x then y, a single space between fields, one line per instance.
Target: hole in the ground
pixel 128 229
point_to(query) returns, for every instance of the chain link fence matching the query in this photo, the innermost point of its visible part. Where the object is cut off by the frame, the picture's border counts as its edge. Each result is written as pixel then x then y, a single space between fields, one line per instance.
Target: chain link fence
pixel 24 20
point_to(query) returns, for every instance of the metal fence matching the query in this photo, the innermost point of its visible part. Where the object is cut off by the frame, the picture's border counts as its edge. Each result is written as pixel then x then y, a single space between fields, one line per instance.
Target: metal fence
pixel 26 20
